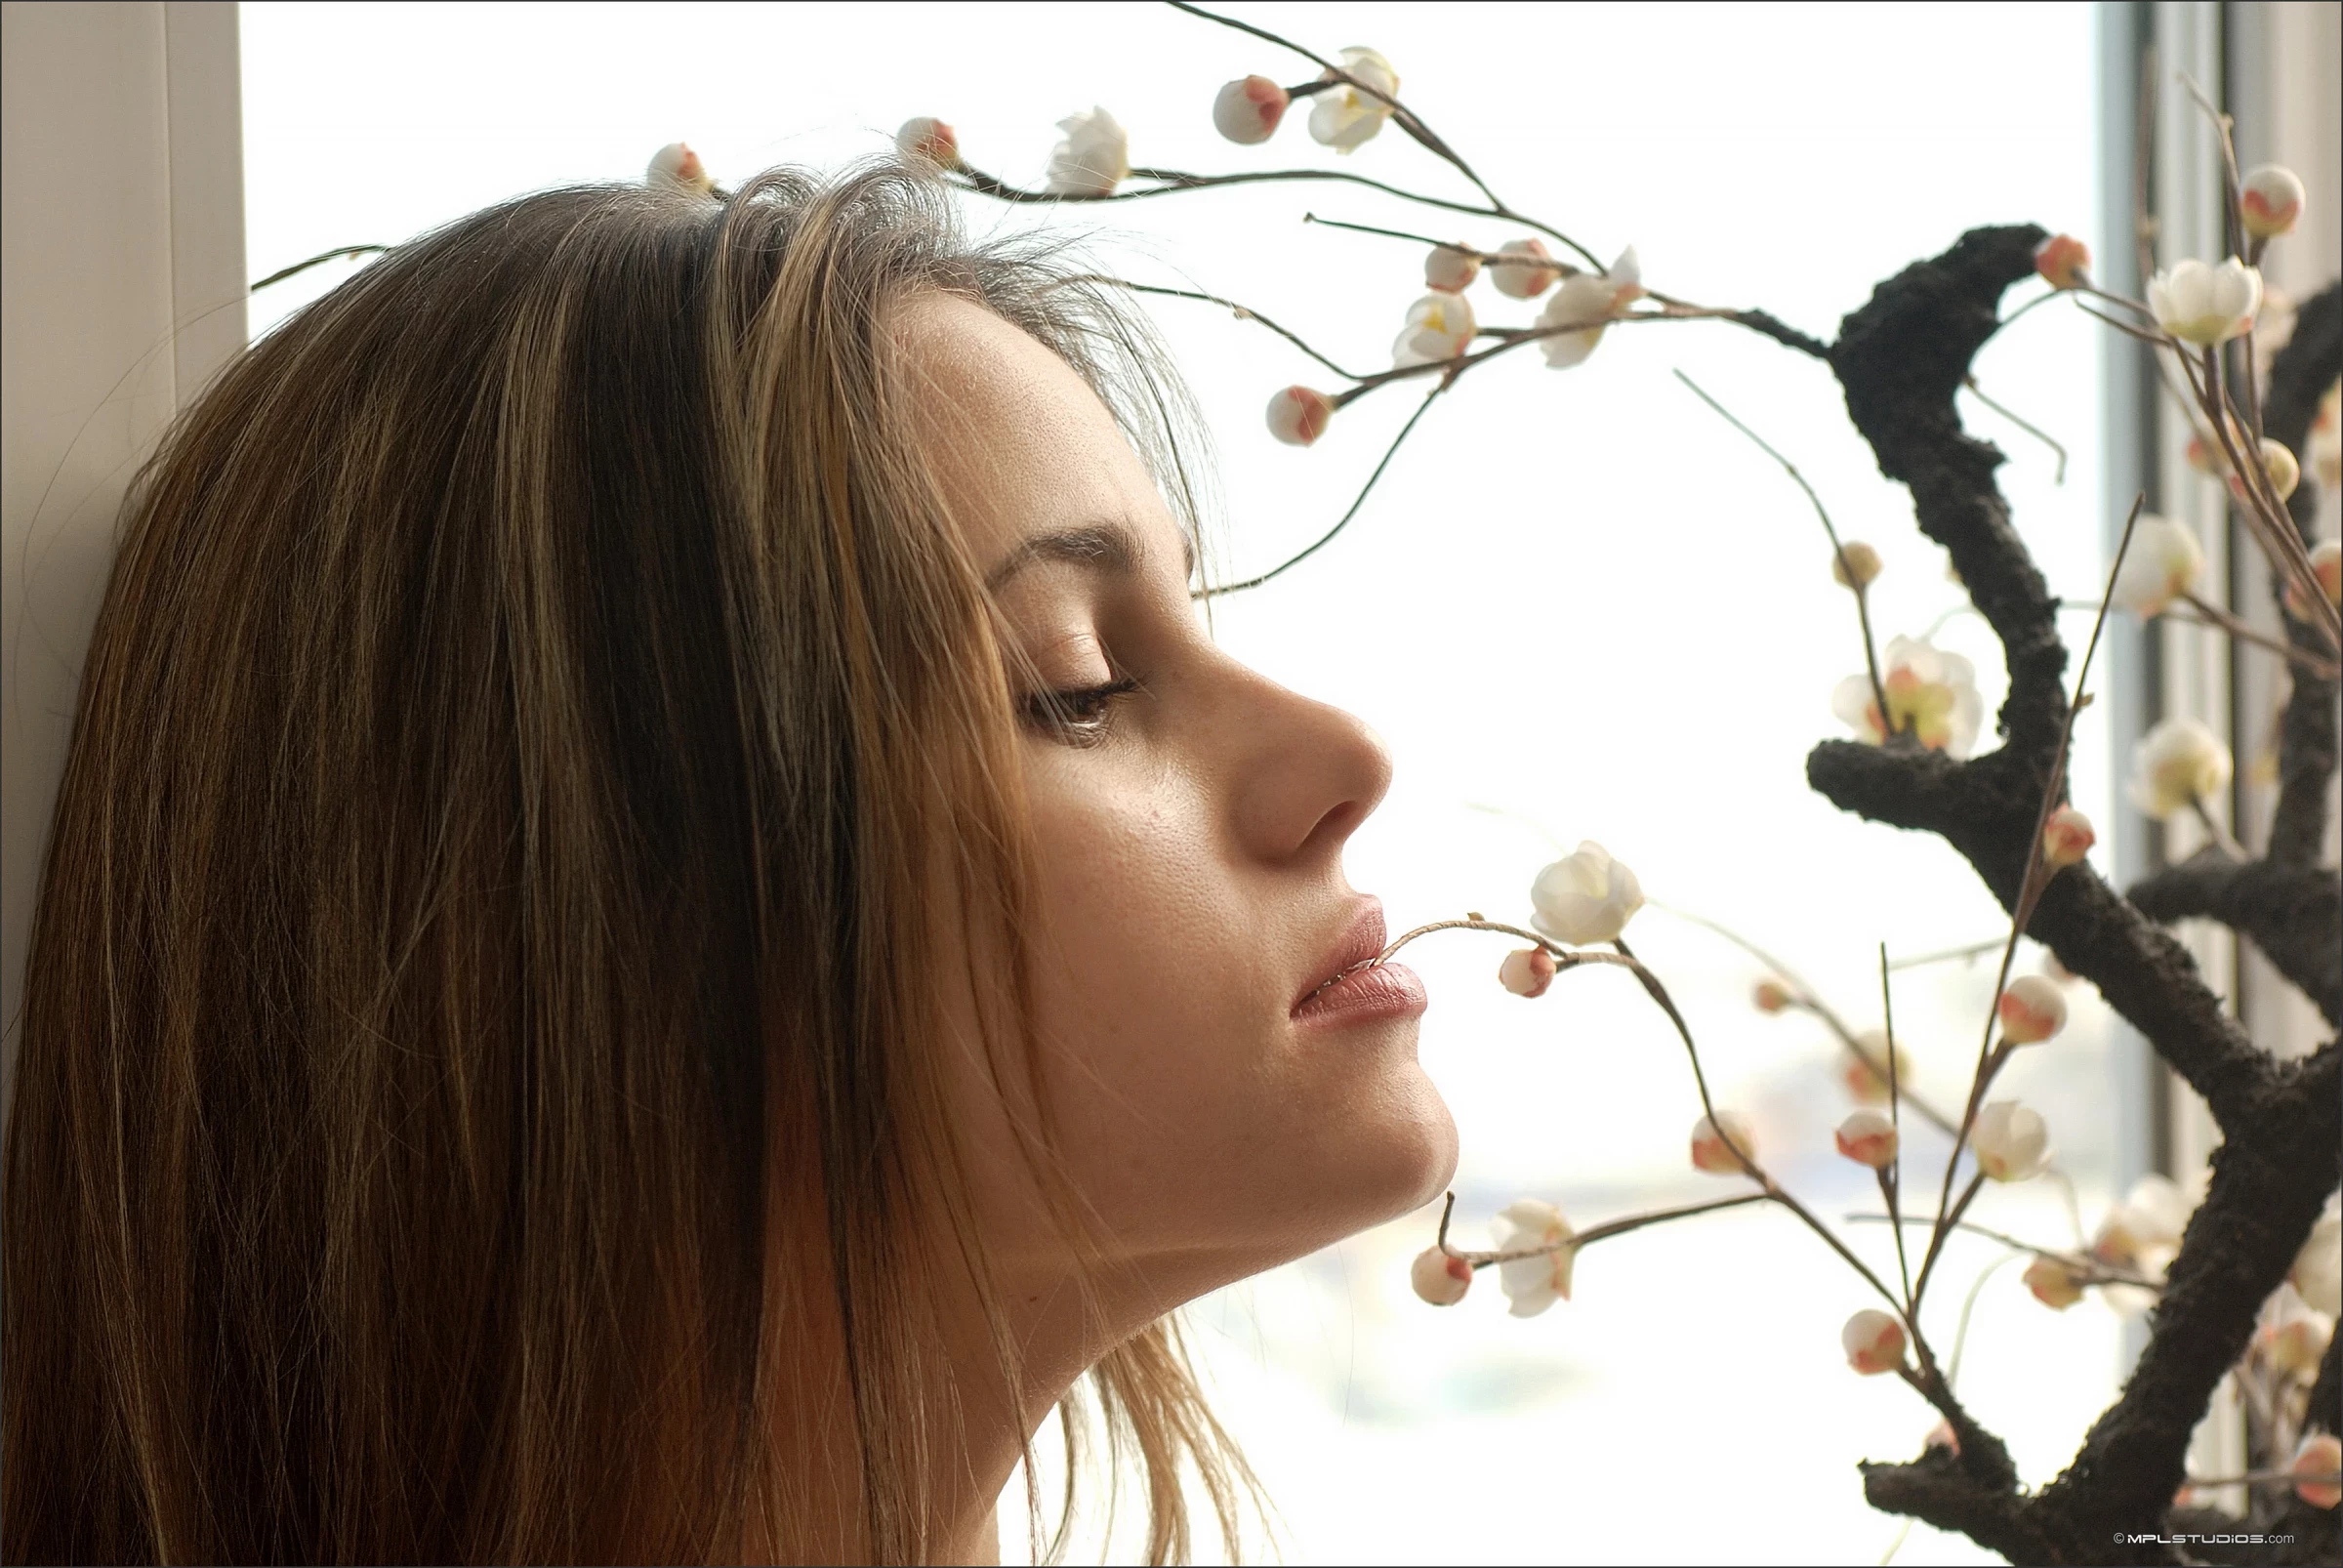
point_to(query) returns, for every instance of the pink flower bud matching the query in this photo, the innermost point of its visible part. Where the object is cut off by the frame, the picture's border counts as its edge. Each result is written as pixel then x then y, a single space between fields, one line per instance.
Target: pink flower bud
pixel 1773 996
pixel 1522 279
pixel 2062 260
pixel 2067 837
pixel 1873 1341
pixel 676 164
pixel 1854 564
pixel 1942 1435
pixel 1299 415
pixel 2031 1011
pixel 926 136
pixel 2326 565
pixel 2055 1283
pixel 1709 1149
pixel 2270 200
pixel 1438 1277
pixel 1449 270
pixel 1247 110
pixel 2278 462
pixel 2316 1462
pixel 1527 973
pixel 1868 1139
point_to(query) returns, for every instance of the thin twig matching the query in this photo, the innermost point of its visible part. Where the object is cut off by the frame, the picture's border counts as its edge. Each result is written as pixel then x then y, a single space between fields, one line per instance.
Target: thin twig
pixel 1242 312
pixel 2028 426
pixel 1862 613
pixel 2090 1271
pixel 1946 955
pixel 2215 616
pixel 1341 522
pixel 1891 1175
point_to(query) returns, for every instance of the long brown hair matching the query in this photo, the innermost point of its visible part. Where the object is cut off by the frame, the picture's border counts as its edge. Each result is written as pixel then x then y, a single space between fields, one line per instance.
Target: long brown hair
pixel 534 691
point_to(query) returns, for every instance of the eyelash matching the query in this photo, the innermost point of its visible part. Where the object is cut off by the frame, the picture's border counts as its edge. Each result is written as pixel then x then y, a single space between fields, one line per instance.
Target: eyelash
pixel 1080 717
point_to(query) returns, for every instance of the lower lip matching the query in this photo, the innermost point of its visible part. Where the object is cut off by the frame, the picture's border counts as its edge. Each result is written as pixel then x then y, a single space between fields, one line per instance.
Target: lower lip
pixel 1379 991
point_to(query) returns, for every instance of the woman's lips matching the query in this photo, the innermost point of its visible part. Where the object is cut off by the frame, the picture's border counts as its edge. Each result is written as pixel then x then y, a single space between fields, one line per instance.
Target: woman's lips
pixel 1369 991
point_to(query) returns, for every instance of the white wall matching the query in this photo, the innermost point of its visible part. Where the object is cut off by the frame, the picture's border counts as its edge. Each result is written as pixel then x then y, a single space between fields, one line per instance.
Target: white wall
pixel 123 282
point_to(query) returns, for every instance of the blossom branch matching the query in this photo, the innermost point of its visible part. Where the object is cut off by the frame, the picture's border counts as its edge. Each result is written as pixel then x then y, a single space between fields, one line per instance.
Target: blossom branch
pixel 1408 119
pixel 1988 1454
pixel 1579 1241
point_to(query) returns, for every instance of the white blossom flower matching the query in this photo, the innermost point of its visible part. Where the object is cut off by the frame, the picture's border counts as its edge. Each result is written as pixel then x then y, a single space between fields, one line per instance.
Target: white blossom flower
pixel 1344 117
pixel 2062 261
pixel 1527 973
pixel 1874 1341
pixel 2316 1462
pixel 1854 564
pixel 1248 110
pixel 1451 271
pixel 2177 762
pixel 1585 897
pixel 1710 1151
pixel 1518 280
pixel 2067 837
pixel 2317 1271
pixel 2011 1143
pixel 1533 1284
pixel 1930 691
pixel 2278 466
pixel 2141 1231
pixel 2296 1337
pixel 2162 563
pixel 1440 1278
pixel 2055 1283
pixel 2270 202
pixel 1587 297
pixel 676 164
pixel 1440 326
pixel 1866 1077
pixel 926 138
pixel 2327 566
pixel 2031 1011
pixel 1299 415
pixel 2205 305
pixel 1868 1139
pixel 1093 160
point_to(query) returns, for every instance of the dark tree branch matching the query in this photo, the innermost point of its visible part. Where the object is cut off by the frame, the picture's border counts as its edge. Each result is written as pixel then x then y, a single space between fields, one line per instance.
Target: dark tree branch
pixel 2299 375
pixel 2292 913
pixel 1900 358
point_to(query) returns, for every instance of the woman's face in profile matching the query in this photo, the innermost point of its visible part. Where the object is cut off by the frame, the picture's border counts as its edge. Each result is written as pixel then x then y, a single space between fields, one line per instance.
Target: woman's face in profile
pixel 1222 1107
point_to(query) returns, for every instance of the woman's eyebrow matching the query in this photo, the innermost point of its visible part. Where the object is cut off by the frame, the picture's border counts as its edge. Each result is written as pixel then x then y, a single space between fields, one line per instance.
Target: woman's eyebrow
pixel 1106 546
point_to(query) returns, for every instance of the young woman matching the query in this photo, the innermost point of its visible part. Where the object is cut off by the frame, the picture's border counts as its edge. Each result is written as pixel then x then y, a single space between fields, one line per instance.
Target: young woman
pixel 664 921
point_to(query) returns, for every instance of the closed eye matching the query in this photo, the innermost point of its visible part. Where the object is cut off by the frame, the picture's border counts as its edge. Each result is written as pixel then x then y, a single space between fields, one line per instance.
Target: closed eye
pixel 1080 717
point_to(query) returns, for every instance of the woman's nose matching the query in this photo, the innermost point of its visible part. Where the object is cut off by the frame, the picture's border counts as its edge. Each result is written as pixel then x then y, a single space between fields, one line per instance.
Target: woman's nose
pixel 1313 774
